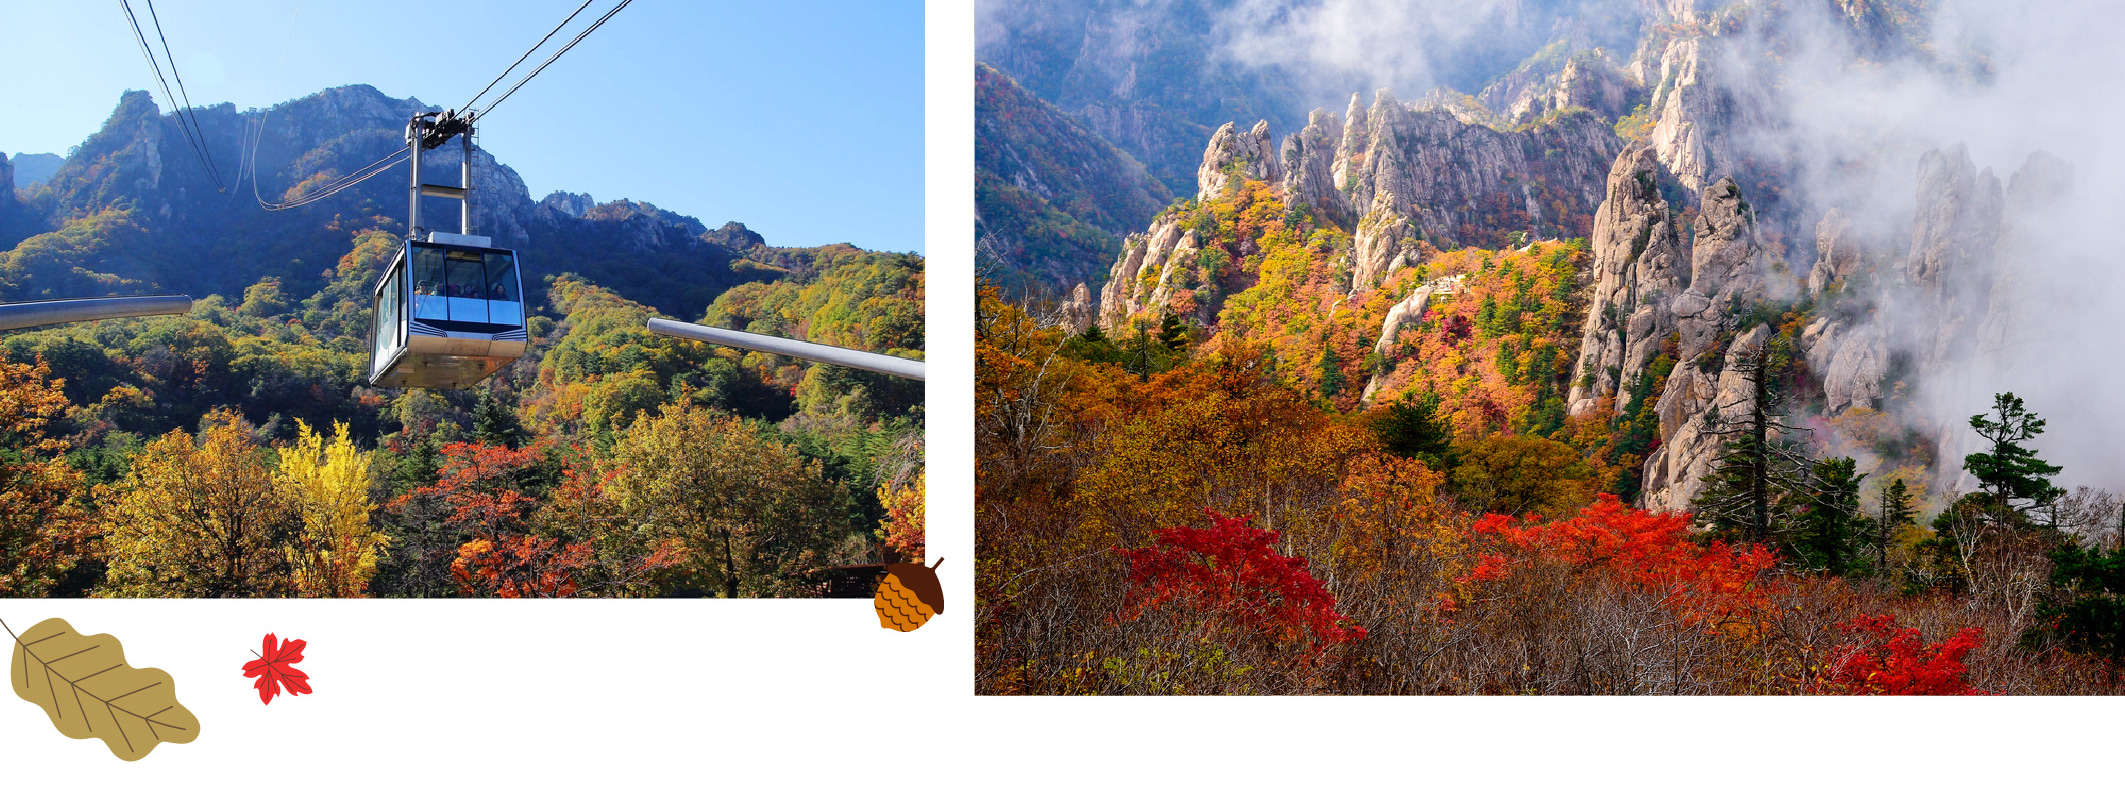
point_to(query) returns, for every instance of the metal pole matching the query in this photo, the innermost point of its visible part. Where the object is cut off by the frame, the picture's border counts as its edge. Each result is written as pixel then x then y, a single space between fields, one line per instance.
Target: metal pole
pixel 61 311
pixel 413 214
pixel 852 358
pixel 464 178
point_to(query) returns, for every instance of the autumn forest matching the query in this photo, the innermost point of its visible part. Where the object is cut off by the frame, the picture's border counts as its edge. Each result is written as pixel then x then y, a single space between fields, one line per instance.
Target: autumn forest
pixel 239 450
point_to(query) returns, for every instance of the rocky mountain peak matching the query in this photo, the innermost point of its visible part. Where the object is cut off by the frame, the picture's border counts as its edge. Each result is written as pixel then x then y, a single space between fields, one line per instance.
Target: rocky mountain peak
pixel 735 237
pixel 567 204
pixel 1725 250
pixel 2042 182
pixel 1957 221
pixel 1252 154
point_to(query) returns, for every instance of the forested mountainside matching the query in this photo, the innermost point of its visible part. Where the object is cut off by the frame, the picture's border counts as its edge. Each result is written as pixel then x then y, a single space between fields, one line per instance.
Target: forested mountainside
pixel 1053 199
pixel 1619 373
pixel 239 451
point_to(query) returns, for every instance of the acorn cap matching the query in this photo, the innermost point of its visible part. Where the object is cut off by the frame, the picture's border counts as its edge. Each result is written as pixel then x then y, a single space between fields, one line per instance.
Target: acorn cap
pixel 922 581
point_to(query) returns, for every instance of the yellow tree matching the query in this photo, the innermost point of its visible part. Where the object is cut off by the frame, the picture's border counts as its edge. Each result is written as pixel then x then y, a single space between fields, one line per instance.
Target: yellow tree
pixel 330 484
pixel 750 514
pixel 43 529
pixel 200 519
pixel 1517 474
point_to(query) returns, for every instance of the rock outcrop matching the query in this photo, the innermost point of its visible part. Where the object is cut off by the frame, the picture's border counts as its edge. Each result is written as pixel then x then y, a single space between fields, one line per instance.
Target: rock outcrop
pixel 1638 256
pixel 1675 472
pixel 2033 193
pixel 1309 162
pixel 1837 252
pixel 1726 276
pixel 1645 300
pixel 1408 311
pixel 1153 265
pixel 1849 360
pixel 1464 184
pixel 1954 230
pixel 1252 154
pixel 1075 313
pixel 1385 241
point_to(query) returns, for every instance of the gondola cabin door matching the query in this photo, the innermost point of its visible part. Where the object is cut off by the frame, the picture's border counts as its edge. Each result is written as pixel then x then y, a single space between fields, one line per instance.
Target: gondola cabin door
pixel 448 314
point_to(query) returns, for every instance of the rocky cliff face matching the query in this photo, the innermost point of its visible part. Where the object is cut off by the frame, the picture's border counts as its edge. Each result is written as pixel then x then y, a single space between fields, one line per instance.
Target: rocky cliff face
pixel 1639 256
pixel 1586 79
pixel 1464 184
pixel 1151 267
pixel 1232 153
pixel 1727 274
pixel 1075 312
pixel 1652 292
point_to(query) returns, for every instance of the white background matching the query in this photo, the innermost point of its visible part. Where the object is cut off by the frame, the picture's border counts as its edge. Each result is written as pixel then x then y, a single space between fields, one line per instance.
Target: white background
pixel 802 697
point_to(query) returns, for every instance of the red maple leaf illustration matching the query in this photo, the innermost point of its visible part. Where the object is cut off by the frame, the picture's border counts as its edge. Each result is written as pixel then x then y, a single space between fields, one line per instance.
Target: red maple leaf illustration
pixel 277 667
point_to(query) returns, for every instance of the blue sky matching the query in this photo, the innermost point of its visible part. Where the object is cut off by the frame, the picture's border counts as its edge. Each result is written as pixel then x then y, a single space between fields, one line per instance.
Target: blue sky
pixel 803 120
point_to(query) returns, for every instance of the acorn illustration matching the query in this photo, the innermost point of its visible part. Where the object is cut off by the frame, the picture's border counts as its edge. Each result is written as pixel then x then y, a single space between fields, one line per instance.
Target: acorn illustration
pixel 908 596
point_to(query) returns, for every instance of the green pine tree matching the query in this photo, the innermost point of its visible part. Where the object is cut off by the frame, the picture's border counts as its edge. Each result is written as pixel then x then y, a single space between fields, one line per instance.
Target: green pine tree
pixel 1415 430
pixel 496 423
pixel 2085 611
pixel 1830 522
pixel 2011 474
pixel 1747 492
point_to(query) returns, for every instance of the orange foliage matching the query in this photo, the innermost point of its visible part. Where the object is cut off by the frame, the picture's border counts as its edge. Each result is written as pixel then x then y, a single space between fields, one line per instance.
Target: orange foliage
pixel 44 528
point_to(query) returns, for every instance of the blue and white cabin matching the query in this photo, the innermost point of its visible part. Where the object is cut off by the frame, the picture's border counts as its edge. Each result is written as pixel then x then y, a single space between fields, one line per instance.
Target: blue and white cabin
pixel 449 313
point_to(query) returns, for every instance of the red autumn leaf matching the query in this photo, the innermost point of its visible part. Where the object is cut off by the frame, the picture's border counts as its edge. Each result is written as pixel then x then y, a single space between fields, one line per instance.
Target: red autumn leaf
pixel 277 667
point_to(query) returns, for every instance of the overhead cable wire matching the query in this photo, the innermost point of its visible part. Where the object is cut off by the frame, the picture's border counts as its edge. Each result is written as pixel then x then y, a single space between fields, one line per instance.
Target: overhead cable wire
pixel 403 153
pixel 338 185
pixel 169 96
pixel 212 169
pixel 527 54
pixel 549 61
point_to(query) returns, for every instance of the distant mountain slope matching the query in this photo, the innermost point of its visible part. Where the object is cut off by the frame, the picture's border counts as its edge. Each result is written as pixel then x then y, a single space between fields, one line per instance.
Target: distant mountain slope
pixel 1156 77
pixel 32 168
pixel 200 241
pixel 1052 197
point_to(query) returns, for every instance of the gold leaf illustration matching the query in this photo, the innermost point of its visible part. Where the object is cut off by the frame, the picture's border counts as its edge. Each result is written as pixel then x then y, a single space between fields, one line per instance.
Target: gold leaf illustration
pixel 85 686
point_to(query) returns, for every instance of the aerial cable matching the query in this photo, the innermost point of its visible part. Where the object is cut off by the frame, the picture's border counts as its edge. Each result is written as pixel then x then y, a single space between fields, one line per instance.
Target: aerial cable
pixel 198 147
pixel 149 54
pixel 189 111
pixel 336 186
pixel 527 54
pixel 403 153
pixel 555 57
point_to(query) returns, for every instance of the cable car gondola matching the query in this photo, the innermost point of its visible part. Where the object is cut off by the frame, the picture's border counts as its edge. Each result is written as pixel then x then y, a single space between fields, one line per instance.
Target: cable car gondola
pixel 450 310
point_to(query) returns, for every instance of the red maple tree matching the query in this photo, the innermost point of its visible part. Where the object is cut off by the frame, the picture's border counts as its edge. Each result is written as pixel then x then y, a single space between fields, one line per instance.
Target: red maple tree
pixel 1895 661
pixel 482 486
pixel 1715 583
pixel 1232 572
